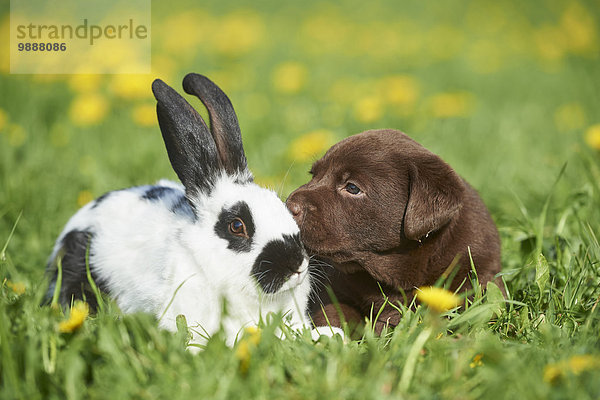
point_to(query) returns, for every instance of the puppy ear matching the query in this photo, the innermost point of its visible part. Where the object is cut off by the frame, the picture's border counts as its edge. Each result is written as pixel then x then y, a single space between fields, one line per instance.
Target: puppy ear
pixel 191 149
pixel 434 198
pixel 224 125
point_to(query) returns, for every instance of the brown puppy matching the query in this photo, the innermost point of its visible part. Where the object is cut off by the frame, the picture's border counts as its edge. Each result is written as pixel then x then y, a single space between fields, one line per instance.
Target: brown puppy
pixel 389 216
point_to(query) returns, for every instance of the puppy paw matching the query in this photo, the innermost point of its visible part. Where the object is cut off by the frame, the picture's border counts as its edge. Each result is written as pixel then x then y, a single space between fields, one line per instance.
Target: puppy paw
pixel 328 331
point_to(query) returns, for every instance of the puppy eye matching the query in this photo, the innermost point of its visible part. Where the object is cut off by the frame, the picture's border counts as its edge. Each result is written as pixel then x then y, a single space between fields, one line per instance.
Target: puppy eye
pixel 352 188
pixel 237 228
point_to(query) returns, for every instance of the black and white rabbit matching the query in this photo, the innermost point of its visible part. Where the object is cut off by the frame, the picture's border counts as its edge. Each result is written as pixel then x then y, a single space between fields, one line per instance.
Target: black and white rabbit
pixel 171 249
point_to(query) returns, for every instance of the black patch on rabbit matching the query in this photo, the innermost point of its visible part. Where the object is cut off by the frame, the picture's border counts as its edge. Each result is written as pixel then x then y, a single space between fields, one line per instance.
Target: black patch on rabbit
pixel 74 248
pixel 241 211
pixel 101 199
pixel 157 192
pixel 184 208
pixel 278 260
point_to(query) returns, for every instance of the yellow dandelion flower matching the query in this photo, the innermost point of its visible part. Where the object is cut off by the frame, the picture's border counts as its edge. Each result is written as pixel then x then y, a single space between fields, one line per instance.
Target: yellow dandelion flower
pixel 402 90
pixel 592 136
pixel 569 117
pixel 144 115
pixel 368 109
pixel 311 145
pixel 3 119
pixel 437 299
pixel 476 361
pixel 239 33
pixel 16 135
pixel 583 362
pixel 84 83
pixel 78 314
pixel 253 334
pixel 552 373
pixel 243 354
pixel 245 347
pixel 88 109
pixel 132 86
pixel 84 197
pixel 16 287
pixel 289 77
pixel 575 365
pixel 580 28
pixel 120 57
pixel 455 104
pixel 181 32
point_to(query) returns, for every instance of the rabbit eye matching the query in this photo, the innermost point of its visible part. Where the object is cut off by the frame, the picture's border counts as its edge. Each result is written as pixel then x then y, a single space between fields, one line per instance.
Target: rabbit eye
pixel 238 228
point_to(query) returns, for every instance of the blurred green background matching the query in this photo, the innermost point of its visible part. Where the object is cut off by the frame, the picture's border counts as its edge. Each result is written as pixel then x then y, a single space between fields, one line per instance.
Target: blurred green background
pixel 506 92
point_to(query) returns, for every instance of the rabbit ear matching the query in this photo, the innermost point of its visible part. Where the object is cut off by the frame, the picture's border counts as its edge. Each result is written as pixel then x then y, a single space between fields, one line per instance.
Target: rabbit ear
pixel 224 125
pixel 191 149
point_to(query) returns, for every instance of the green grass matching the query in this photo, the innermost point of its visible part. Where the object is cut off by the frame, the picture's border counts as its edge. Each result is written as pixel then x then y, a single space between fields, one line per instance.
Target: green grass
pixel 525 76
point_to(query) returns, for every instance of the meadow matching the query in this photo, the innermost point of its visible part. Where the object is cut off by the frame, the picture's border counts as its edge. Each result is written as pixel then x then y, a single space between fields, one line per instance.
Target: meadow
pixel 507 92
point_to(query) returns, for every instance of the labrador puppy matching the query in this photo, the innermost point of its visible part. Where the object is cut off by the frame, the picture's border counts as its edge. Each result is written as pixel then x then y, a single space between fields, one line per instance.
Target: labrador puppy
pixel 389 216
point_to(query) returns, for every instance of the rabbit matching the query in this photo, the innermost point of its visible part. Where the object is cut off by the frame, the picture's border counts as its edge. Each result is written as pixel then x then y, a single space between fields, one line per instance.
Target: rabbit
pixel 215 242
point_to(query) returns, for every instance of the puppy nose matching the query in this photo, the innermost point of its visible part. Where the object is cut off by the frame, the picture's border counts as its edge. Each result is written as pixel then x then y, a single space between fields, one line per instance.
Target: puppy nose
pixel 295 209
